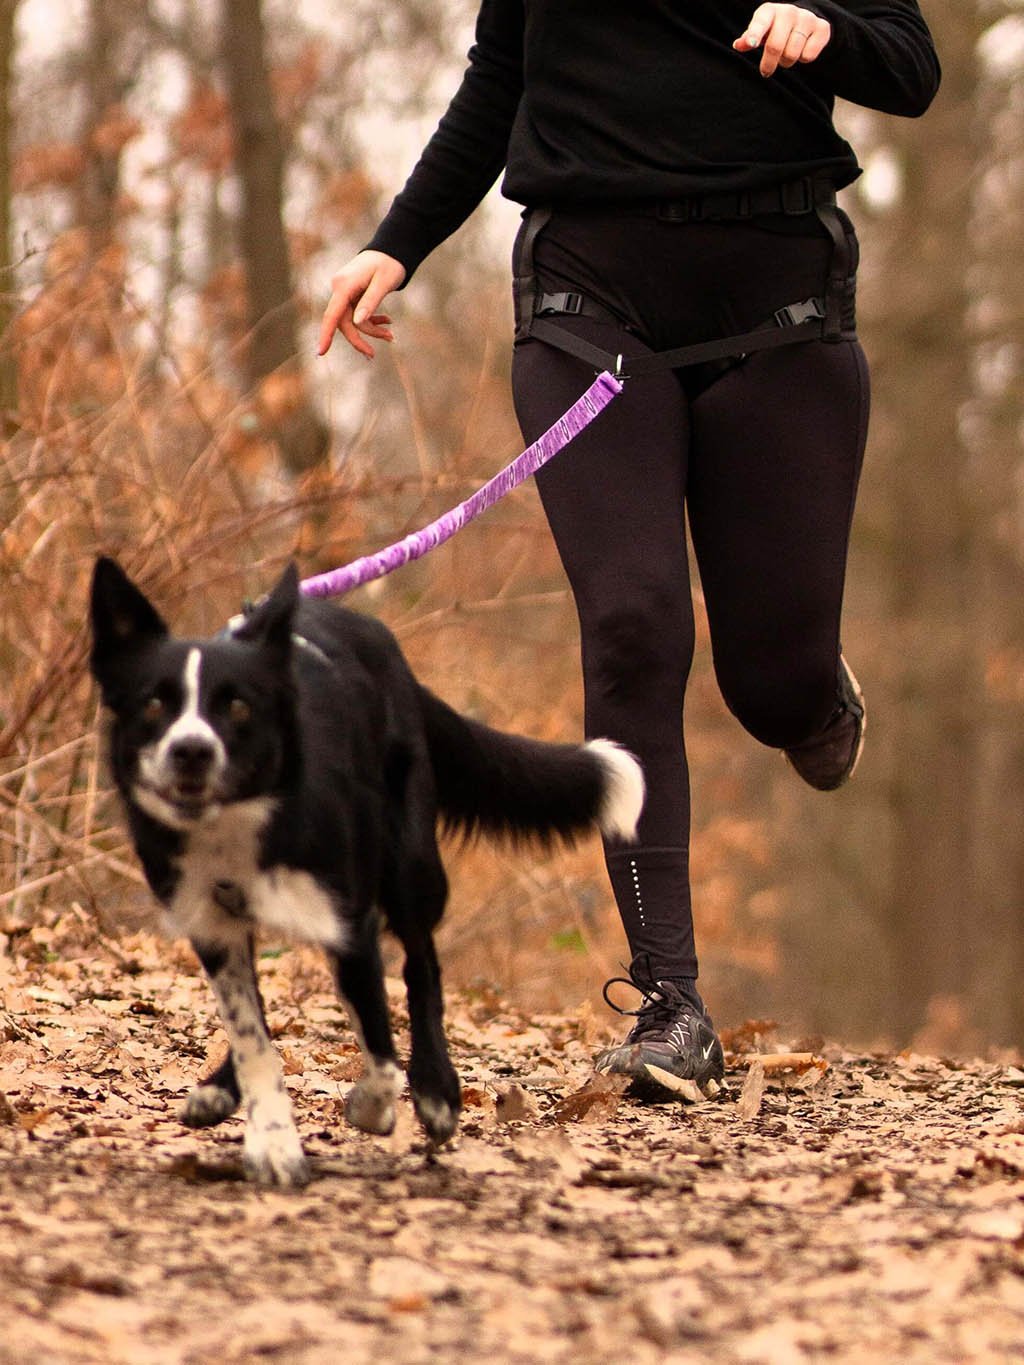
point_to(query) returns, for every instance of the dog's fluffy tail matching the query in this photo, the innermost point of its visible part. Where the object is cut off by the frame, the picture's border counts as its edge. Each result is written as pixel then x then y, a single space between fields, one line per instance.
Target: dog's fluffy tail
pixel 489 782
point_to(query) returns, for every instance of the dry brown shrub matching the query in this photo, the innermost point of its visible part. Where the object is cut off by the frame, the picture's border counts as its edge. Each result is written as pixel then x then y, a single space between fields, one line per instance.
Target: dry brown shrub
pixel 115 454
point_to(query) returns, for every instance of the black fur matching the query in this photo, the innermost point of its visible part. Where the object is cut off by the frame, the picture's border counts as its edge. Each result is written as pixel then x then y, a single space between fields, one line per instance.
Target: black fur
pixel 292 771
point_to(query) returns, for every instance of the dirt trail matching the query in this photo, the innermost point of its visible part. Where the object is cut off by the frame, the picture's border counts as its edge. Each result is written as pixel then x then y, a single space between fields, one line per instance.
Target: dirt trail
pixel 870 1211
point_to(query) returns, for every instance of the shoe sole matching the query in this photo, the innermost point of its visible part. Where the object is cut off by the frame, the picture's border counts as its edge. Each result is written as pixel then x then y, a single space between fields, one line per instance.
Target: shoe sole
pixel 858 697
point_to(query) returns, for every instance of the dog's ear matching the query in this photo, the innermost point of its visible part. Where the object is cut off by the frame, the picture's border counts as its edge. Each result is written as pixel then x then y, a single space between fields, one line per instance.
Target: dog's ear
pixel 270 622
pixel 123 618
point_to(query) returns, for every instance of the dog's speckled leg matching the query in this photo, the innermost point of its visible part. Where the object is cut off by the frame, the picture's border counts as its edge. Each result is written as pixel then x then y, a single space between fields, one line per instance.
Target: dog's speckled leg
pixel 273 1152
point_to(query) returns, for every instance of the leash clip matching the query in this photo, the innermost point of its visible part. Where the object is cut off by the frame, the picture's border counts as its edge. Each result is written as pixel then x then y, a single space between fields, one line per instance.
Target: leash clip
pixel 618 373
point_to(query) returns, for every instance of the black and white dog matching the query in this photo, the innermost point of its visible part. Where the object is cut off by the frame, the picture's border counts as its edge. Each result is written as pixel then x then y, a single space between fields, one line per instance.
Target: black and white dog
pixel 289 774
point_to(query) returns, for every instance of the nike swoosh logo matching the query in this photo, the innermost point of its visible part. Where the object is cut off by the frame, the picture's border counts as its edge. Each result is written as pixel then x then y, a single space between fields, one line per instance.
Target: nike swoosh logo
pixel 709 1049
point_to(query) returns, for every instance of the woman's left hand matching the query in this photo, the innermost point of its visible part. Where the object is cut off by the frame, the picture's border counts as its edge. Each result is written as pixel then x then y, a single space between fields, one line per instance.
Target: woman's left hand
pixel 787 33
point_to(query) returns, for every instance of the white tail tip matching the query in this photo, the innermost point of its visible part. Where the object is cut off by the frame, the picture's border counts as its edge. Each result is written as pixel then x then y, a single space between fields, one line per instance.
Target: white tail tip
pixel 624 790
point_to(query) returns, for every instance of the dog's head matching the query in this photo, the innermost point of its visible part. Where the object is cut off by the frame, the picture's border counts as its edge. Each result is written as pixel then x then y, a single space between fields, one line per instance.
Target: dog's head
pixel 195 724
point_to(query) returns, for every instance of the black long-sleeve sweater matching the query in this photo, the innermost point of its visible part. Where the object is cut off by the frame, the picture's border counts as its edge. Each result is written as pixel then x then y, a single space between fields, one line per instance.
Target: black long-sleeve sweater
pixel 604 101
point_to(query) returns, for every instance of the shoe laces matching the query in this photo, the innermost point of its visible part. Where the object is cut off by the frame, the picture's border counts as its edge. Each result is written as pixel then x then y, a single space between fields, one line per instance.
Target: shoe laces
pixel 662 1005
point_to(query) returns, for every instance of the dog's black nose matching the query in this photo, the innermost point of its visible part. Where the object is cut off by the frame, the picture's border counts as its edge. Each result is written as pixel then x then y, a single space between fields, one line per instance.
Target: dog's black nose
pixel 192 757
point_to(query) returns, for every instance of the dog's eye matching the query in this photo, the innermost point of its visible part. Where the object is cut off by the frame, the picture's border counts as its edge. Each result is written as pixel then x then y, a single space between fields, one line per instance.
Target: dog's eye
pixel 240 711
pixel 153 709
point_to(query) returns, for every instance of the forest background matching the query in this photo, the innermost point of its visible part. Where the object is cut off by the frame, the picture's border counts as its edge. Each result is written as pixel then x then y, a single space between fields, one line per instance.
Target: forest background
pixel 178 181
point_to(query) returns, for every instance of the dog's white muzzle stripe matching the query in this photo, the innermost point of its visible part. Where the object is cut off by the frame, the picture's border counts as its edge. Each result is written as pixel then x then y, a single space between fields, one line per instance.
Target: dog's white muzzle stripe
pixel 156 766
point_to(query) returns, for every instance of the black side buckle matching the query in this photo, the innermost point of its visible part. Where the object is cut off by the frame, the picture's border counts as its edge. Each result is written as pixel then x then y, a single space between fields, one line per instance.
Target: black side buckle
pixel 567 302
pixel 810 310
pixel 797 197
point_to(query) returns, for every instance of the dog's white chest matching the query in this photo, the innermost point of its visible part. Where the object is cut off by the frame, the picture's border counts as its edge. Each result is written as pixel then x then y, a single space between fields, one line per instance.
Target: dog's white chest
pixel 222 894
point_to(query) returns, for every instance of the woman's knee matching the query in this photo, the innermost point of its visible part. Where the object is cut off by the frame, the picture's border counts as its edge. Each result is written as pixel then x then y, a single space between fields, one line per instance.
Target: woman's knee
pixel 638 655
pixel 781 711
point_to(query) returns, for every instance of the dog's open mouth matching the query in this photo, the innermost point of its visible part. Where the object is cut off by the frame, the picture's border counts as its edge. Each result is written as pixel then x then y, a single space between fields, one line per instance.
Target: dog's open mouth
pixel 186 799
pixel 190 798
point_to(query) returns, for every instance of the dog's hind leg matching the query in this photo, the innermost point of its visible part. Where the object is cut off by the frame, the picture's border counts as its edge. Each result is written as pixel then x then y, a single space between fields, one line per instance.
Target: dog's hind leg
pixel 436 1093
pixel 370 1104
pixel 272 1151
pixel 214 1099
pixel 416 890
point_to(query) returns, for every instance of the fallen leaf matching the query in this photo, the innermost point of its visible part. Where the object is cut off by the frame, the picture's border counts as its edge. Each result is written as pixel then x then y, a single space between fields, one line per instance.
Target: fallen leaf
pixel 779 1062
pixel 881 1090
pixel 477 1157
pixel 687 1090
pixel 408 1303
pixel 997 1225
pixel 400 1278
pixel 586 1106
pixel 476 1097
pixel 291 1063
pixel 30 1120
pixel 748 1105
pixel 550 1145
pixel 514 1105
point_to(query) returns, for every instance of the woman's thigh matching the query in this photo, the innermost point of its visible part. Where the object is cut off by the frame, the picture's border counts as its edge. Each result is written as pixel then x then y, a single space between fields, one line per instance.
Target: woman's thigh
pixel 615 496
pixel 776 453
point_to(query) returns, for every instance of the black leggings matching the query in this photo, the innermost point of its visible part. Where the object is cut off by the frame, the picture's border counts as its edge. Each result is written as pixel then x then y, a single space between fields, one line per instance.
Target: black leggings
pixel 765 456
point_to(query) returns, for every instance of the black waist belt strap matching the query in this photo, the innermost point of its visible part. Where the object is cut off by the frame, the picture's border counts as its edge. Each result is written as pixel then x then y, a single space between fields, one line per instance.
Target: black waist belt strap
pixel 783 331
pixel 808 320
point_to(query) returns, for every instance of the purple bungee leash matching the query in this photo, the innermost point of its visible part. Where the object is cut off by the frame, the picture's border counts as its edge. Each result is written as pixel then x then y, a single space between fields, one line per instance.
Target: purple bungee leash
pixel 338 581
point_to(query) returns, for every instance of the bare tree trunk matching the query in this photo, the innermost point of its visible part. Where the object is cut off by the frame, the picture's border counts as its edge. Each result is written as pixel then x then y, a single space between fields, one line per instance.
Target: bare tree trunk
pixel 925 378
pixel 8 367
pixel 993 427
pixel 105 88
pixel 259 158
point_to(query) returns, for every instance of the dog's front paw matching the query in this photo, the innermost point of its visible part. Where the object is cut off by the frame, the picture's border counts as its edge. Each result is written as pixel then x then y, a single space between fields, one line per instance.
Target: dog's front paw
pixel 438 1117
pixel 207 1105
pixel 274 1156
pixel 370 1104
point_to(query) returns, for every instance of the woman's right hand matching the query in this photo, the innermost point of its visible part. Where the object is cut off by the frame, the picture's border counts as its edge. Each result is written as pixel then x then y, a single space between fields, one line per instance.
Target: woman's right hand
pixel 357 291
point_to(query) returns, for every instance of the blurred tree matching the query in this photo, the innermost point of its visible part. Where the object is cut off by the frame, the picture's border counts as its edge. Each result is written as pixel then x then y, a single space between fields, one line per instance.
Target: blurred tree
pixel 8 370
pixel 273 349
pixel 924 382
pixel 924 866
pixel 993 429
pixel 108 76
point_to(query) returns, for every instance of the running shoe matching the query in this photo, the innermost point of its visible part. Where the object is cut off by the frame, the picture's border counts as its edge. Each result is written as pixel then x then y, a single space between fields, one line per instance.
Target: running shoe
pixel 673 1047
pixel 828 759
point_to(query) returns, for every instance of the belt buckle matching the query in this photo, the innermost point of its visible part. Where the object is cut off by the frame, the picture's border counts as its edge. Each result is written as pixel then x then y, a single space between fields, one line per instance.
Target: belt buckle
pixel 549 305
pixel 809 310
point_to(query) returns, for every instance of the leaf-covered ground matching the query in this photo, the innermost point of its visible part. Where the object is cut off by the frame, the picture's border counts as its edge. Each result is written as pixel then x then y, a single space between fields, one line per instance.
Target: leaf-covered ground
pixel 867 1209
